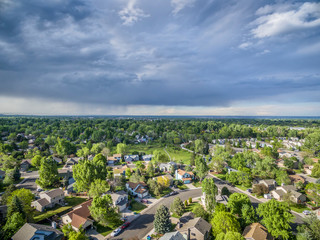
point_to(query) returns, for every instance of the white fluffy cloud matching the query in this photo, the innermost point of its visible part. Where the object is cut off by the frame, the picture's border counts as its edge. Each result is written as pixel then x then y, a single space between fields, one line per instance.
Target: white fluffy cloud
pixel 132 14
pixel 286 19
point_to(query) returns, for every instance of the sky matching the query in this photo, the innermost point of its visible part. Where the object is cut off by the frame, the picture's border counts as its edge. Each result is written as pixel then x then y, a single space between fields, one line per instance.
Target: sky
pixel 160 57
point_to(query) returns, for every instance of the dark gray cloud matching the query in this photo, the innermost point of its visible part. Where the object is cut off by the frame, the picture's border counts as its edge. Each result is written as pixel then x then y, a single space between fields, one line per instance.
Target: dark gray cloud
pixel 173 53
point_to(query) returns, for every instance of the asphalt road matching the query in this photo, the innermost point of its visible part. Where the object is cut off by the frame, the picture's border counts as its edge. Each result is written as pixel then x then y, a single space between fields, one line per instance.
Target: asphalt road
pixel 144 224
pixel 29 183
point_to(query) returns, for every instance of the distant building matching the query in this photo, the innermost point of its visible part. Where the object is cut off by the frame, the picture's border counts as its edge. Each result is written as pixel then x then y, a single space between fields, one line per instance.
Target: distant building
pixel 25 164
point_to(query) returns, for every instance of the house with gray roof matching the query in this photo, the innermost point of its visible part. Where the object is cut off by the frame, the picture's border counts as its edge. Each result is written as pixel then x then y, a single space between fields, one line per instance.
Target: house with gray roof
pixel 172 236
pixel 31 231
pixel 289 190
pixel 269 183
pixel 194 228
pixel 49 199
pixel 120 200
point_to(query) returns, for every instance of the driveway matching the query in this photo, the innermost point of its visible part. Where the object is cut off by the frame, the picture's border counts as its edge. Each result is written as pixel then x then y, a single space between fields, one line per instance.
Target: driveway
pixel 95 235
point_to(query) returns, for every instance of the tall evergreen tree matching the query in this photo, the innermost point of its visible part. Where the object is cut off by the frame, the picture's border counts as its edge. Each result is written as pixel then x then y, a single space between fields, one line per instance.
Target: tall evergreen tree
pixel 177 206
pixel 15 206
pixel 211 191
pixel 162 223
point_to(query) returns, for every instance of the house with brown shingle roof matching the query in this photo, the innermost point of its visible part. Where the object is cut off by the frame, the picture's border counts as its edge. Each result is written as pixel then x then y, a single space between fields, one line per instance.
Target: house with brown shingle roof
pixel 256 231
pixel 79 216
pixel 137 189
pixel 185 177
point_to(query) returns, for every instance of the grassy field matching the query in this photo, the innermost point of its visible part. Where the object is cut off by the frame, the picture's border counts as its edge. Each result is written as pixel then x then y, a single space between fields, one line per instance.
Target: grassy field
pixel 221 176
pixel 241 187
pixel 72 201
pixel 137 207
pixel 177 155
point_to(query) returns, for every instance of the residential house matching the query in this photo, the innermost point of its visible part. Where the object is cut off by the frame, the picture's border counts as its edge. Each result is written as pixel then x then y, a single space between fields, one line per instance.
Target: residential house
pixel 269 183
pixel 57 159
pixel 308 169
pixel 172 236
pixel 193 228
pixel 131 158
pixel 49 199
pixel 112 160
pixel 25 164
pixel 79 216
pixel 294 196
pixel 166 167
pixel 120 170
pixel 185 177
pixel 137 189
pixel 256 231
pixel 147 158
pixel 32 231
pixel 118 156
pixel 71 162
pixel 120 200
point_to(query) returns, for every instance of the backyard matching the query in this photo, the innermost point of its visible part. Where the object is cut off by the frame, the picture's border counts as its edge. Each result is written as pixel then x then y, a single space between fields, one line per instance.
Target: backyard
pixel 72 201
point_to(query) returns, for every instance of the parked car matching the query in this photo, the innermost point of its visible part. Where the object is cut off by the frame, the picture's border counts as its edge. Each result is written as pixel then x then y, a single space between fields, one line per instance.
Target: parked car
pixel 125 225
pixel 306 212
pixel 173 193
pixel 116 232
pixel 249 190
pixel 144 200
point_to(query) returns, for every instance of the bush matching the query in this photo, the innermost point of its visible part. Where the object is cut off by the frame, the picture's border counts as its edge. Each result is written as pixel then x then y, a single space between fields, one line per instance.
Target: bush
pixel 190 200
pixel 185 203
pixel 260 189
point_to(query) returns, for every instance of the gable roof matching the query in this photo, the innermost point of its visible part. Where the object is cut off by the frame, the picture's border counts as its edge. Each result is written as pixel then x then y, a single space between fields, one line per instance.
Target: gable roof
pixel 182 172
pixel 80 214
pixel 43 202
pixel 257 232
pixel 198 223
pixel 172 236
pixel 37 231
pixel 54 192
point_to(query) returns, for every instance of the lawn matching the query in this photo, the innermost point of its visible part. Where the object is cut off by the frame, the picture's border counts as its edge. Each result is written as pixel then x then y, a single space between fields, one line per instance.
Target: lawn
pixel 299 208
pixel 221 176
pixel 182 187
pixel 164 192
pixel 190 207
pixel 147 149
pixel 241 187
pixel 104 231
pixel 136 206
pixel 197 184
pixel 179 155
pixel 72 201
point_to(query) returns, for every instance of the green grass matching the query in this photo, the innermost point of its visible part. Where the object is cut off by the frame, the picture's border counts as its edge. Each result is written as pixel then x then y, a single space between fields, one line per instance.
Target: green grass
pixel 104 231
pixel 299 208
pixel 137 207
pixel 179 155
pixel 147 149
pixel 72 201
pixel 241 187
pixel 182 187
pixel 164 192
pixel 190 207
pixel 197 184
pixel 221 176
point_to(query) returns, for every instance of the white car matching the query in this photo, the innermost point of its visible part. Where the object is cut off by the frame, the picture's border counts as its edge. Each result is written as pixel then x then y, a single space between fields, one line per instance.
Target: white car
pixel 116 232
pixel 306 212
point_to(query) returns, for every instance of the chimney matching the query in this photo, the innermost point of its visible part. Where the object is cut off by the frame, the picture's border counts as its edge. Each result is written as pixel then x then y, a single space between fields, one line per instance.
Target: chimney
pixel 188 237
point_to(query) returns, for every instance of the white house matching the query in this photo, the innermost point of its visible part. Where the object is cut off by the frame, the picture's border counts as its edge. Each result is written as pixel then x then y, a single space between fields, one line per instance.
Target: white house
pixel 166 167
pixel 185 177
pixel 137 189
pixel 147 157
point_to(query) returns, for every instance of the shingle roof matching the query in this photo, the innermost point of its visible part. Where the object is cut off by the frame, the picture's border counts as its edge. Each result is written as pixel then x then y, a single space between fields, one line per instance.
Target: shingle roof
pixel 37 231
pixel 80 214
pixel 172 236
pixel 256 231
pixel 43 202
pixel 54 193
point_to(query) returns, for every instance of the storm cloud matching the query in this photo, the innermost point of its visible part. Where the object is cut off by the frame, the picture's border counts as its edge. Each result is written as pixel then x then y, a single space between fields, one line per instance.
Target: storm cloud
pixel 161 53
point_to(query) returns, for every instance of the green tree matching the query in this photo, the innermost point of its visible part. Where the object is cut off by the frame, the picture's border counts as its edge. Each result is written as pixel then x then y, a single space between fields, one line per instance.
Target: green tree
pixel 211 191
pixel 71 234
pixel 103 211
pixel 313 190
pixel 15 206
pixel 312 142
pixel 310 230
pixel 199 145
pixel 316 170
pixel 233 177
pixel 276 216
pixel 237 201
pixel 199 211
pixel 162 223
pixel 97 188
pixel 48 173
pixel 224 222
pixel 64 147
pixel 26 197
pixel 36 161
pixel 177 206
pixel 230 236
pixel 201 168
pixel 248 215
pixel 160 157
pixel 122 148
pixel 13 224
pixel 128 172
pixel 150 170
pixel 225 191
